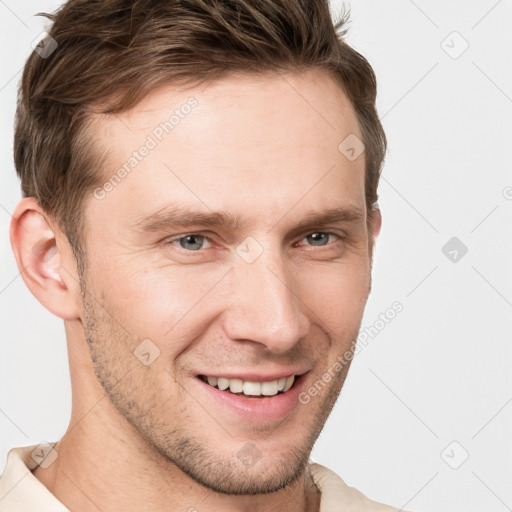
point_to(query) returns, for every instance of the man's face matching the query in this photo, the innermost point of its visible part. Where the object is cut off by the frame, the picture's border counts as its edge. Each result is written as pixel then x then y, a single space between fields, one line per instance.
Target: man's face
pixel 269 297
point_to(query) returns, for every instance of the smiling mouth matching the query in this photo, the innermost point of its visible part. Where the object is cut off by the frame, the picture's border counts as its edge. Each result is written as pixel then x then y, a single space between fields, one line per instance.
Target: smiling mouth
pixel 250 388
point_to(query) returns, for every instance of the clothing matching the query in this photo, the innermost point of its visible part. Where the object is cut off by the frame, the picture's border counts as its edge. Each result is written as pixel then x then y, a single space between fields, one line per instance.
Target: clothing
pixel 21 491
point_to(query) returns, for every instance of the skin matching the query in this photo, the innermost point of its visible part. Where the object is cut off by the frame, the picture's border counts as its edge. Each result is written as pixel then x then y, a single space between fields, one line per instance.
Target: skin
pixel 262 147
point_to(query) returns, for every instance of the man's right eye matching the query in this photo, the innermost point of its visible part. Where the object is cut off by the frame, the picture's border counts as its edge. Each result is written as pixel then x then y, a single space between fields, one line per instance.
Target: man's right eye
pixel 192 242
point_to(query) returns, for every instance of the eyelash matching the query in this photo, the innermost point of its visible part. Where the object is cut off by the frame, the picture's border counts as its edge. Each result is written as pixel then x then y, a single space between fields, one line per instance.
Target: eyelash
pixel 181 237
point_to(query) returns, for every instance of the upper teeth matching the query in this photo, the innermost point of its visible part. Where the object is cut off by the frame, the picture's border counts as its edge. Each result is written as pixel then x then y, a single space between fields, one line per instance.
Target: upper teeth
pixel 247 387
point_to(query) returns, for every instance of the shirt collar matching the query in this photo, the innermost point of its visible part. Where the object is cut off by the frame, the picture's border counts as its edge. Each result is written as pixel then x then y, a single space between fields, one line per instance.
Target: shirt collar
pixel 21 491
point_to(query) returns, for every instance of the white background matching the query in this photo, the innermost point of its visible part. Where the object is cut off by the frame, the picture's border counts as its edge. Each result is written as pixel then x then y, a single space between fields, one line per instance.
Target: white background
pixel 441 370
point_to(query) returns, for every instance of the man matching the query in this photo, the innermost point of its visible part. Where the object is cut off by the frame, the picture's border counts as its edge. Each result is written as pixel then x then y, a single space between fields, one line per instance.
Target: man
pixel 200 184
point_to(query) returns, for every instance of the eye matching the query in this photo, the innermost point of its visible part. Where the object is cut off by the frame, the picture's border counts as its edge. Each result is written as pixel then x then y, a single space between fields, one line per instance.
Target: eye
pixel 320 238
pixel 195 242
pixel 192 242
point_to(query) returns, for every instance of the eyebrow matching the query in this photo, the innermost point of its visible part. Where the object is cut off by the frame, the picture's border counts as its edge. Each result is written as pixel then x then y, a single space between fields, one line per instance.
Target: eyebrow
pixel 176 216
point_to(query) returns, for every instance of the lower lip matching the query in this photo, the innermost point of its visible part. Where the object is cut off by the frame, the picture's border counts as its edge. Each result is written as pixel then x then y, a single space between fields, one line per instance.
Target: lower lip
pixel 266 408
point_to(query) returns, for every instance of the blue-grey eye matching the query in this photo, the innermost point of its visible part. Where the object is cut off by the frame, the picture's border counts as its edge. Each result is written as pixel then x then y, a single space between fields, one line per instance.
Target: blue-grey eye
pixel 317 237
pixel 192 240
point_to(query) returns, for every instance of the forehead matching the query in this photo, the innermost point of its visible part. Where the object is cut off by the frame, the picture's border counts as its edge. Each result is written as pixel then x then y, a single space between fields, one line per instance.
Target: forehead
pixel 266 142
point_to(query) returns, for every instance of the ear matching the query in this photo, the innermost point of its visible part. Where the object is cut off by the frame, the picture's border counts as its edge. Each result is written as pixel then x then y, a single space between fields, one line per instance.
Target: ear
pixel 375 223
pixel 45 259
pixel 376 220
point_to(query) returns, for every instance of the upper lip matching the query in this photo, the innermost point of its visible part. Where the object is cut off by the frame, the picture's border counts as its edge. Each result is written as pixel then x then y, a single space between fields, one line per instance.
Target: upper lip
pixel 255 376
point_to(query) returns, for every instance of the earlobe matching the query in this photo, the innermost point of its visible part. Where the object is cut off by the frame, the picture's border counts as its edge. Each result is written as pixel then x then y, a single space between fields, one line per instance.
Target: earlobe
pixel 41 257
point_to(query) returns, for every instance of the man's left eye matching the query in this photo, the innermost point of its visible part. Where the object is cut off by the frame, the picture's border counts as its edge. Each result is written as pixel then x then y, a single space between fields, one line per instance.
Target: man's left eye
pixel 319 236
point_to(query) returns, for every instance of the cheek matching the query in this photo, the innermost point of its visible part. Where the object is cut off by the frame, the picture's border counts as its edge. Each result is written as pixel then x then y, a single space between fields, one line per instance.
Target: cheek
pixel 170 305
pixel 336 292
pixel 174 304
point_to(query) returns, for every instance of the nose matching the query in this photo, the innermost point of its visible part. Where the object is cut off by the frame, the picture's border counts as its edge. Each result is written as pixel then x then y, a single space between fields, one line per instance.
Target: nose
pixel 264 306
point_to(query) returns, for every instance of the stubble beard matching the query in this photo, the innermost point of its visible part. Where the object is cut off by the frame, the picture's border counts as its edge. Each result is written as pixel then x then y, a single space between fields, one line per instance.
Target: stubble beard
pixel 132 395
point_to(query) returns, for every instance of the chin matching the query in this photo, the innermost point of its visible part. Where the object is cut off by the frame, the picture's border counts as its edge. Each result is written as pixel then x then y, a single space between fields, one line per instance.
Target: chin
pixel 253 477
pixel 246 470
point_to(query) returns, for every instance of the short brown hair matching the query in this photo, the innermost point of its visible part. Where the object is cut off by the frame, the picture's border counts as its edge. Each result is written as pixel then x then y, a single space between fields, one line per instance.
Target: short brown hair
pixel 122 49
